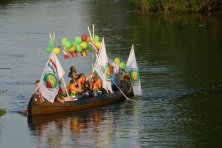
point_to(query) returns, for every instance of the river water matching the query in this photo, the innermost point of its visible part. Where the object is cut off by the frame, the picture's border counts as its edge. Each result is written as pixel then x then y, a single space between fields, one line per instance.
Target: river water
pixel 179 59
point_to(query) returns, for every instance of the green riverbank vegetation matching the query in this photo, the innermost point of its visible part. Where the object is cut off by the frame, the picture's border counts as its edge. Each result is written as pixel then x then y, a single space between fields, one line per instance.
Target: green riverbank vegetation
pixel 178 6
pixel 2 111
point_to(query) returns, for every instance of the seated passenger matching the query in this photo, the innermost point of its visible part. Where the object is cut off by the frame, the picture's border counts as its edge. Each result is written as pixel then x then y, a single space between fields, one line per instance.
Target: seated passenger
pixel 115 80
pixel 96 85
pixel 74 88
pixel 87 89
pixel 124 75
pixel 38 91
pixel 82 80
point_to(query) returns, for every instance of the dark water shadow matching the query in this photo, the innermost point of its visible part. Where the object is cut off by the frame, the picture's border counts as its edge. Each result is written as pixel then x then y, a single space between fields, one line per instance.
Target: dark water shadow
pixel 183 93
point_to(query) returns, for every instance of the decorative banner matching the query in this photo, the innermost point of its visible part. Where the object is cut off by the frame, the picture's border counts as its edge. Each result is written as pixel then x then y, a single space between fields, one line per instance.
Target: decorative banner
pixel 134 76
pixel 101 68
pixel 108 72
pixel 49 81
pixel 132 69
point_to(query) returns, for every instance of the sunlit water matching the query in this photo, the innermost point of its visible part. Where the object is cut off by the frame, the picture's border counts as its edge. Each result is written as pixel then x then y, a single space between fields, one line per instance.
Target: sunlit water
pixel 179 58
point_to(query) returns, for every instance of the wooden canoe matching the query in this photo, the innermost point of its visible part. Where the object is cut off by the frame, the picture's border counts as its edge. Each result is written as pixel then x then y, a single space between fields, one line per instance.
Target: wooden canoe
pixel 35 107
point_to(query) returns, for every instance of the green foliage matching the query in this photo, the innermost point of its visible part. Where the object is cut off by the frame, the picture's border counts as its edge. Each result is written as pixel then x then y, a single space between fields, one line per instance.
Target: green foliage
pixel 2 112
pixel 181 6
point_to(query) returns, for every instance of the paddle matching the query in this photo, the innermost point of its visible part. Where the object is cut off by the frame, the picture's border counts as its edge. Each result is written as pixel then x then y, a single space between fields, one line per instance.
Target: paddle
pixel 127 98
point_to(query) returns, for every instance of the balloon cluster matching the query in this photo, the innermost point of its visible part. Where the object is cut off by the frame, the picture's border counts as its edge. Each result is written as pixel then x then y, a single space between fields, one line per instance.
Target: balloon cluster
pixel 52 47
pixel 122 65
pixel 80 44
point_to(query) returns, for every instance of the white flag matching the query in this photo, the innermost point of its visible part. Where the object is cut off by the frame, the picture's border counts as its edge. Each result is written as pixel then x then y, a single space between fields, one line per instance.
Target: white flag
pixel 132 69
pixel 102 68
pixel 49 82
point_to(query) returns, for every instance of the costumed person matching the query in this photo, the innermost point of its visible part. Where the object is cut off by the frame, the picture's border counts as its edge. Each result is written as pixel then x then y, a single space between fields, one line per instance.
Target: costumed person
pixel 38 91
pixel 74 88
pixel 96 85
pixel 124 75
pixel 87 90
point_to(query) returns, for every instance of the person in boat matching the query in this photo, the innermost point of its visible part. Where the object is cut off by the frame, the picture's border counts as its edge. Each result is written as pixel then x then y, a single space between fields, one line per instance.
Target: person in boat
pixel 96 85
pixel 38 91
pixel 124 75
pixel 74 88
pixel 82 80
pixel 115 79
pixel 87 89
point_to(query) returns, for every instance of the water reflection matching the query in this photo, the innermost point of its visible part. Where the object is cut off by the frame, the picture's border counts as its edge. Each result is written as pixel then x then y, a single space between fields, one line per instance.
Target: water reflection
pixel 107 126
pixel 67 128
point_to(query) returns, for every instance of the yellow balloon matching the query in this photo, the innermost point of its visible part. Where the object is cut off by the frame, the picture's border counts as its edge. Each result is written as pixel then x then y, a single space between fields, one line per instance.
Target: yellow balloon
pixel 89 39
pixel 56 51
pixel 84 45
pixel 98 44
pixel 72 49
pixel 117 61
pixel 66 49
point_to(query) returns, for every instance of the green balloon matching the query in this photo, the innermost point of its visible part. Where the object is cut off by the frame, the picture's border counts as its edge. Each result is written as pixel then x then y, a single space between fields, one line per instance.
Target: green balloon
pixel 122 65
pixel 78 40
pixel 48 50
pixel 68 44
pixel 74 43
pixel 63 41
pixel 78 48
pixel 52 44
pixel 96 38
pixel 89 47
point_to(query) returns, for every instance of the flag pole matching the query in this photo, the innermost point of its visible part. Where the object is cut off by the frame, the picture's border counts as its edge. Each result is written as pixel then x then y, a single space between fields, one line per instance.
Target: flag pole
pixel 64 83
pixel 53 37
pixel 50 36
pixel 93 34
pixel 97 57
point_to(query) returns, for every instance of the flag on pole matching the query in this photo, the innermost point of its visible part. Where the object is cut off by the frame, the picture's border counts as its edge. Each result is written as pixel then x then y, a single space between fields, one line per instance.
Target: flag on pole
pixel 102 68
pixel 132 69
pixel 49 81
pixel 65 55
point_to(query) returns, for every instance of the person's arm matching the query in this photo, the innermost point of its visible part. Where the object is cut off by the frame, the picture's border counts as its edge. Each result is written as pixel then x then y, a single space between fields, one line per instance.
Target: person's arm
pixel 80 86
pixel 100 85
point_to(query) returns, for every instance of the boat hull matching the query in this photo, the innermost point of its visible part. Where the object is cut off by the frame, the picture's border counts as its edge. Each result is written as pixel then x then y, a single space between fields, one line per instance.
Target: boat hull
pixel 35 107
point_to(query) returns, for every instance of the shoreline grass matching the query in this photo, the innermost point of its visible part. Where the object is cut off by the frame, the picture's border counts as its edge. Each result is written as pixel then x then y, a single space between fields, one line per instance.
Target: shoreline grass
pixel 2 112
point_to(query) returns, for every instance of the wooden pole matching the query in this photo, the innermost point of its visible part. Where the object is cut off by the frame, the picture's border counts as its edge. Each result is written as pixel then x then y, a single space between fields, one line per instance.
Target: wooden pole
pixel 90 34
pixel 93 34
pixel 64 83
pixel 121 91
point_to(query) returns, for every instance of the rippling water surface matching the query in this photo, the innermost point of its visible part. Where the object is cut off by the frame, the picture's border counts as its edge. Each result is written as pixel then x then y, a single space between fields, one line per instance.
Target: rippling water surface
pixel 179 58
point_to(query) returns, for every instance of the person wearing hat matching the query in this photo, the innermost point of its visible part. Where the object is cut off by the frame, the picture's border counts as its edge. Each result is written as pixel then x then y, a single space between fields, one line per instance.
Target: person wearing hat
pixel 74 88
